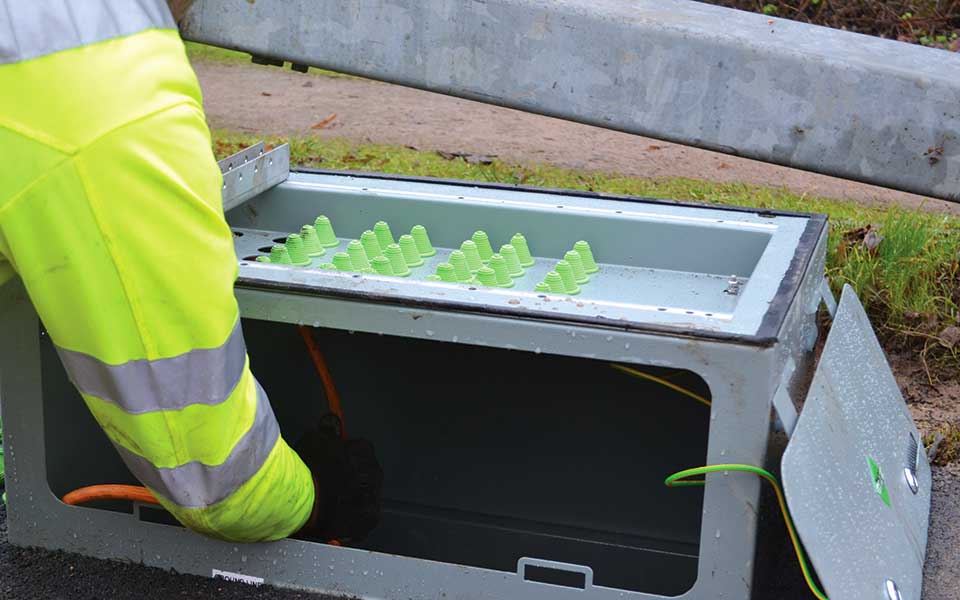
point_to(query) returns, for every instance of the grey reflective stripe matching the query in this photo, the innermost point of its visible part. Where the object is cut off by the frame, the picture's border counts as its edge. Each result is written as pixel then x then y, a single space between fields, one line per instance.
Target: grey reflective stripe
pixel 196 485
pixel 34 28
pixel 203 376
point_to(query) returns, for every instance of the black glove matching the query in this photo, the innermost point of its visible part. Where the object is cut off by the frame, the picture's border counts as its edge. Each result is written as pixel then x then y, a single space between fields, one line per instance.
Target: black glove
pixel 348 479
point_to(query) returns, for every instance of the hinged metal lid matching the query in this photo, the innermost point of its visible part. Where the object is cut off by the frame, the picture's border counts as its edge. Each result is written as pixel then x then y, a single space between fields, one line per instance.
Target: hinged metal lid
pixel 855 474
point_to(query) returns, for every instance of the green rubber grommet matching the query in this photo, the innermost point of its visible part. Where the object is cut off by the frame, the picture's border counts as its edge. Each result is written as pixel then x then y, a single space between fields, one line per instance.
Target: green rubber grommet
pixel 543 287
pixel 358 256
pixel 446 272
pixel 499 266
pixel 395 255
pixel 469 249
pixel 573 257
pixel 311 242
pixel 424 247
pixel 486 277
pixel 483 245
pixel 554 283
pixel 408 246
pixel 325 232
pixel 565 271
pixel 510 255
pixel 327 266
pixel 371 245
pixel 586 256
pixel 263 259
pixel 384 235
pixel 279 255
pixel 297 251
pixel 382 266
pixel 523 251
pixel 459 261
pixel 342 262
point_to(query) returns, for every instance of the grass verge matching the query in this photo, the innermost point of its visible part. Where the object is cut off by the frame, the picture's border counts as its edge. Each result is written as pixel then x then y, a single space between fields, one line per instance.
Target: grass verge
pixel 909 282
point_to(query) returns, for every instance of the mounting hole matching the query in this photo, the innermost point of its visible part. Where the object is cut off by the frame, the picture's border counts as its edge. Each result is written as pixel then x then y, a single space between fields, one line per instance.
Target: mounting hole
pixel 270 162
pixel 709 314
pixel 265 249
pixel 237 233
pixel 662 309
pixel 252 257
pixel 256 169
pixel 689 312
pixel 240 176
pixel 244 264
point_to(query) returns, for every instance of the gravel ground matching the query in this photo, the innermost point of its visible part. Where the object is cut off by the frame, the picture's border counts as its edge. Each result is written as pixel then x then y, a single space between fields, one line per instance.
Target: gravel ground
pixel 941 576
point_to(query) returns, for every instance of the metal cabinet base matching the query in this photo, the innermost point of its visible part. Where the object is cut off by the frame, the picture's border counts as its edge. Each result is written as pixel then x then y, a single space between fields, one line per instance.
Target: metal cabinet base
pixel 518 463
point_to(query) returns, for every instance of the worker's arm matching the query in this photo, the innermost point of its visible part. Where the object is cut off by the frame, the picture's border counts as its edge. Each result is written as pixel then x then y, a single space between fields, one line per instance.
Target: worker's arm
pixel 110 211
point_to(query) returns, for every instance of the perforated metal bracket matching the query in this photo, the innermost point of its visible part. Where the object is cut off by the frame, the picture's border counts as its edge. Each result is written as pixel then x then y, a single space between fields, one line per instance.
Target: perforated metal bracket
pixel 252 171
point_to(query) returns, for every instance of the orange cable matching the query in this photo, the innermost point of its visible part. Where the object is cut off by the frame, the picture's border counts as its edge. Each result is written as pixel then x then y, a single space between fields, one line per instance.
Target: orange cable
pixel 320 363
pixel 110 491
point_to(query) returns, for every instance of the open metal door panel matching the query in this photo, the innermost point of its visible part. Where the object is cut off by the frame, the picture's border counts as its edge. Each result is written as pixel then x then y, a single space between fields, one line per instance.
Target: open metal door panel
pixel 855 474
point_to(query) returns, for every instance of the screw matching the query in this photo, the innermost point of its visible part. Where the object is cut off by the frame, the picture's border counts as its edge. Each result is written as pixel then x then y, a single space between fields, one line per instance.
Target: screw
pixel 733 286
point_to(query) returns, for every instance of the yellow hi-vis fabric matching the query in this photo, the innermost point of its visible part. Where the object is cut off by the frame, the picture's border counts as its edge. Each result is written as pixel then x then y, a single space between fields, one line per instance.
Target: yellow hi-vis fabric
pixel 110 212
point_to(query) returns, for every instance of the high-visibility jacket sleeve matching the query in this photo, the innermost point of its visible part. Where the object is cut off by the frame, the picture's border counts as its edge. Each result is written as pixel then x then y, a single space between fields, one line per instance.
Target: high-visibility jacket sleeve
pixel 110 212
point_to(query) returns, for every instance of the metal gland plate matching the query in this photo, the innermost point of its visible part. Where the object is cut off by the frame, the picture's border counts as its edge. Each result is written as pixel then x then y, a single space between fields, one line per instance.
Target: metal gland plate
pixel 684 268
pixel 856 479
